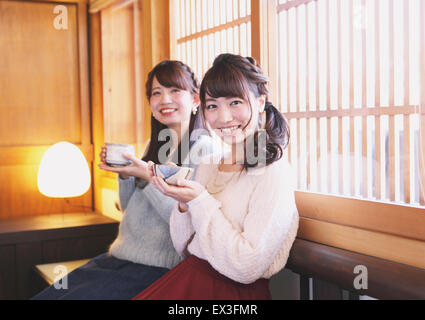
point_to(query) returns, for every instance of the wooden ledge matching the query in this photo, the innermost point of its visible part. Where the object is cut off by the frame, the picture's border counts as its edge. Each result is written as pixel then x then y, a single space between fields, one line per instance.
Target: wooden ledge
pixel 69 224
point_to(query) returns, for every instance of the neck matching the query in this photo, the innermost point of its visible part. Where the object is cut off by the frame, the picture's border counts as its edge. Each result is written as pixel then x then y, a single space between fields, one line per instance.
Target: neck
pixel 236 155
pixel 178 130
pixel 232 162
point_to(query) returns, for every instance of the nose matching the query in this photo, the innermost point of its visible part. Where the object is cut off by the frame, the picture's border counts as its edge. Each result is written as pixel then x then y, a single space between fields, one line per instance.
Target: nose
pixel 165 98
pixel 224 115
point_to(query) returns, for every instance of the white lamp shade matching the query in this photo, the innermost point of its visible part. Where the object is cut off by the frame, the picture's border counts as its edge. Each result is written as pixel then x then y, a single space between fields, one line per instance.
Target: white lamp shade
pixel 63 172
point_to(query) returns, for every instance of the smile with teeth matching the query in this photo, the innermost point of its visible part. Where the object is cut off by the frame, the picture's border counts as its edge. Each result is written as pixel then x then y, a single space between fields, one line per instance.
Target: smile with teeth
pixel 166 111
pixel 228 130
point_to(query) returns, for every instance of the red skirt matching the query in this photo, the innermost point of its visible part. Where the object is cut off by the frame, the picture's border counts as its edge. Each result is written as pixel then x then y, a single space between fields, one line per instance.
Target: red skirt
pixel 195 279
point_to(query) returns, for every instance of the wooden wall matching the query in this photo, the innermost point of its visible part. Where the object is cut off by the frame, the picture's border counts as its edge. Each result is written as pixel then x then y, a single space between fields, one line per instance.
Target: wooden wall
pixel 127 39
pixel 46 95
pixel 44 98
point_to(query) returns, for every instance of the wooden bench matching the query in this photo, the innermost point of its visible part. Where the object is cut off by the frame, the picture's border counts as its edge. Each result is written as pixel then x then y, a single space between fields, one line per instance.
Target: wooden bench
pixel 326 271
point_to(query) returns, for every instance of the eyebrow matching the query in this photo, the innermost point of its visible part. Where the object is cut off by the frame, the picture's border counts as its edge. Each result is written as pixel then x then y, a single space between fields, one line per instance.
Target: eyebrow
pixel 210 99
pixel 156 88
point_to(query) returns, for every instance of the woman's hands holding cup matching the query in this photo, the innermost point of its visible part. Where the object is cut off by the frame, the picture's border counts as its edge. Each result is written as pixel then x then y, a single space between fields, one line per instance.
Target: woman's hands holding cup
pixel 138 168
pixel 183 192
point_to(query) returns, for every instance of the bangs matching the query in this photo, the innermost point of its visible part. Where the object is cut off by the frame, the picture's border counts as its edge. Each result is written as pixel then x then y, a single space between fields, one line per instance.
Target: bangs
pixel 224 81
pixel 170 76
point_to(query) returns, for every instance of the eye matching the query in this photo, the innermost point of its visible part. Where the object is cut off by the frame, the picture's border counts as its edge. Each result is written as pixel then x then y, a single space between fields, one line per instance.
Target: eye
pixel 236 102
pixel 155 93
pixel 210 107
pixel 175 90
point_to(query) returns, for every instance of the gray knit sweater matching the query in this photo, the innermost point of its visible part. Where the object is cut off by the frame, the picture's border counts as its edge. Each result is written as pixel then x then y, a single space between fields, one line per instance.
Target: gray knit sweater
pixel 144 233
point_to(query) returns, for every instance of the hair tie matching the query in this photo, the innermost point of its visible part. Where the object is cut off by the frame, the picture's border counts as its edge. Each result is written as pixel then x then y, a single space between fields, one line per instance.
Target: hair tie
pixel 268 106
pixel 252 60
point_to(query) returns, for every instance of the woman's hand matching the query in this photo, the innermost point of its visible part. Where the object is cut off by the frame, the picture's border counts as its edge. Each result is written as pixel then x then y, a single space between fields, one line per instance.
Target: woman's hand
pixel 185 191
pixel 138 168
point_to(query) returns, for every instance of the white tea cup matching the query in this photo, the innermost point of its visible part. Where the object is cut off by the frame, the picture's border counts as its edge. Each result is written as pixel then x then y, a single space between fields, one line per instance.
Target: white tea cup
pixel 114 154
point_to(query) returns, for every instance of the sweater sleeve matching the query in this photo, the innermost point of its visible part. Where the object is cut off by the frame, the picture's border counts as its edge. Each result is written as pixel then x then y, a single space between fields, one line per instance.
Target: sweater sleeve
pixel 126 189
pixel 245 255
pixel 181 230
pixel 181 227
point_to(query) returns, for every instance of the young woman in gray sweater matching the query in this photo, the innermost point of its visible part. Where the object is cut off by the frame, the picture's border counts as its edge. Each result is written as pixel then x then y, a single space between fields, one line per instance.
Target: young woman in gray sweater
pixel 143 250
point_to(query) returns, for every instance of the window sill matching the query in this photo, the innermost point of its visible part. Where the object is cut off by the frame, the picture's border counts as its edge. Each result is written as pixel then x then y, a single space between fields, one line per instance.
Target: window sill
pixel 384 230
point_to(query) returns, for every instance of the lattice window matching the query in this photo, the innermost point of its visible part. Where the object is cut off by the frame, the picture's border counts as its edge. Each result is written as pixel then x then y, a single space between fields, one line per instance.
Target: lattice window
pixel 206 28
pixel 349 82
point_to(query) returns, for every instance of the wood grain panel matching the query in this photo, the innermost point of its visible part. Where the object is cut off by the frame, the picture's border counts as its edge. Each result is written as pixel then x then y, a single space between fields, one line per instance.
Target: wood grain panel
pixel 118 74
pixel 44 99
pixel 370 215
pixel 27 256
pixel 376 244
pixel 39 75
pixel 7 273
pixel 71 249
pixel 33 154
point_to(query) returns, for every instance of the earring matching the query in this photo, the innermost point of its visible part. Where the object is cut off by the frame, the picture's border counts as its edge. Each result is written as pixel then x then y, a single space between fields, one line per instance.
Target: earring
pixel 195 110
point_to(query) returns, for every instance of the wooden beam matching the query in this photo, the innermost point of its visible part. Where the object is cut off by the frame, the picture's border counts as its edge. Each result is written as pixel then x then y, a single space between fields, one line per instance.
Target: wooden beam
pixel 96 103
pixel 83 55
pixel 401 220
pixel 377 244
pixel 215 29
pixel 356 112
pixel 98 5
pixel 291 4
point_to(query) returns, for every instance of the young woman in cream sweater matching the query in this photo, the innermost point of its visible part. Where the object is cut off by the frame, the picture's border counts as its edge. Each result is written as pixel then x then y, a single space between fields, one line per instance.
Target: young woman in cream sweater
pixel 236 224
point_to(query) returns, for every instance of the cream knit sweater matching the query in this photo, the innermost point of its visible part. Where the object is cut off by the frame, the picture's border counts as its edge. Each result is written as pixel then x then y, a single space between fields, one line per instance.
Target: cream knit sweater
pixel 246 230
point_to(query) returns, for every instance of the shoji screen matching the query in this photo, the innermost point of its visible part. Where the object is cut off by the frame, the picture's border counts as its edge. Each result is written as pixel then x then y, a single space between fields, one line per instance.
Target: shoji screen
pixel 351 85
pixel 202 29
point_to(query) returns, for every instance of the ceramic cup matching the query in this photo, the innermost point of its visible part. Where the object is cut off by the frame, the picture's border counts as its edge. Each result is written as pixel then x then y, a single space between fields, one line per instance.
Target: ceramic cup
pixel 114 154
pixel 172 173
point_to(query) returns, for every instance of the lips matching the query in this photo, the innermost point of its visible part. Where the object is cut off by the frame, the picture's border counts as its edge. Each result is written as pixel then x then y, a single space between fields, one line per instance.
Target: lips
pixel 167 111
pixel 228 129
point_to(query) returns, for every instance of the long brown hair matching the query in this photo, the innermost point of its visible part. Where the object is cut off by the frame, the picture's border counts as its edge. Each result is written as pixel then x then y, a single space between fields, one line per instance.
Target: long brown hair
pixel 171 73
pixel 234 76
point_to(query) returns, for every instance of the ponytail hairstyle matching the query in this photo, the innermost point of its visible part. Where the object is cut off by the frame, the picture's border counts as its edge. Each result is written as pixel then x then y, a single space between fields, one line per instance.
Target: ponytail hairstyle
pixel 170 73
pixel 234 76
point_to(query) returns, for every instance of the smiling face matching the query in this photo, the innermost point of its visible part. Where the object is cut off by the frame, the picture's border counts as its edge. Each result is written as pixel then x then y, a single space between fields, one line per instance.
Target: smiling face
pixel 233 119
pixel 170 105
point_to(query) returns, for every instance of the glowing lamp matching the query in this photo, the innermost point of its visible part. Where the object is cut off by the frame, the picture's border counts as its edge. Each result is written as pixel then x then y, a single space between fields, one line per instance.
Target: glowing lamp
pixel 63 172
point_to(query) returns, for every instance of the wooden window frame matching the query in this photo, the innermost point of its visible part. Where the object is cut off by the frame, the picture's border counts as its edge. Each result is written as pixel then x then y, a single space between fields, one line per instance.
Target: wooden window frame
pixel 382 229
